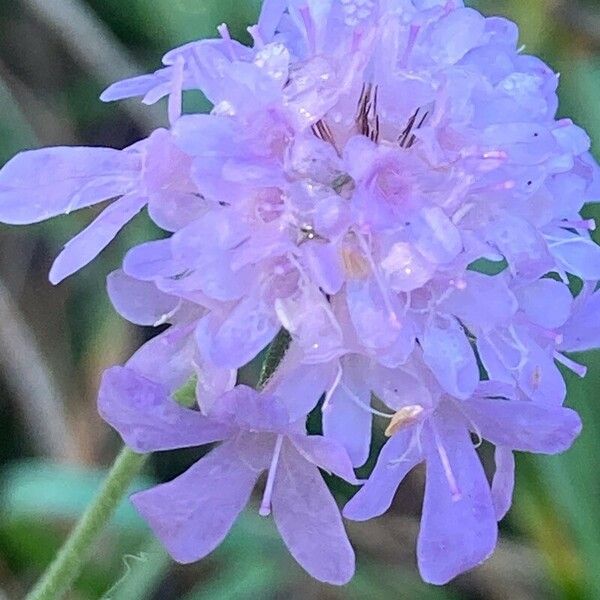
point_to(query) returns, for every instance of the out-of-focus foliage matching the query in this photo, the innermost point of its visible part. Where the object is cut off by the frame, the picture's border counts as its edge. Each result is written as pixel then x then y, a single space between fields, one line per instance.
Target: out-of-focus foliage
pixel 48 95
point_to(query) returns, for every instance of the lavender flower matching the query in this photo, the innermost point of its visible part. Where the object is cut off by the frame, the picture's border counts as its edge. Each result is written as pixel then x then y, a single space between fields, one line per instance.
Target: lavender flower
pixel 387 182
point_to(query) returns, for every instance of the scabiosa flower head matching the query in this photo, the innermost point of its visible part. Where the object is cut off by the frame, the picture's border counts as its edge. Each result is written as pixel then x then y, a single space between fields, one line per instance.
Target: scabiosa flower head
pixel 384 184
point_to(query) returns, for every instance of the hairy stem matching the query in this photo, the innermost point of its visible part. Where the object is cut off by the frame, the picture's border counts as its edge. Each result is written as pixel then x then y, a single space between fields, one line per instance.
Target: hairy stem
pixel 69 561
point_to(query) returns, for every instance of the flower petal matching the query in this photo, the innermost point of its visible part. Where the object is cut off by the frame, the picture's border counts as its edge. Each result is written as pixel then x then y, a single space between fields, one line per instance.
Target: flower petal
pixel 309 520
pixel 192 514
pixel 398 457
pixel 582 330
pixel 248 409
pixel 140 302
pixel 578 255
pixel 236 340
pixel 325 454
pixel 40 184
pixel 167 358
pixel 298 385
pixel 546 302
pixel 344 420
pixel 522 425
pixel 449 355
pixel 503 482
pixel 147 419
pixel 457 533
pixel 85 246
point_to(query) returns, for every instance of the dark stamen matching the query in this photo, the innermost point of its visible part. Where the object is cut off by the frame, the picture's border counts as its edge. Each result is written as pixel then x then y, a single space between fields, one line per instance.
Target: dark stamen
pixel 367 119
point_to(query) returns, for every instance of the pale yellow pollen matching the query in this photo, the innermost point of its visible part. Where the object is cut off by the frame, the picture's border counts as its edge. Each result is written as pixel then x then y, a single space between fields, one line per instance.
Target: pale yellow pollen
pixel 356 265
pixel 406 416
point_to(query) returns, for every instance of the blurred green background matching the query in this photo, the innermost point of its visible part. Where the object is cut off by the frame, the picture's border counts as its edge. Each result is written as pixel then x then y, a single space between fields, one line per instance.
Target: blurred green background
pixel 56 56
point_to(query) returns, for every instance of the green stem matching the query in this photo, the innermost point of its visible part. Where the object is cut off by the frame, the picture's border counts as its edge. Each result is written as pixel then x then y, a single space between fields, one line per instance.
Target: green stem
pixel 69 561
pixel 275 355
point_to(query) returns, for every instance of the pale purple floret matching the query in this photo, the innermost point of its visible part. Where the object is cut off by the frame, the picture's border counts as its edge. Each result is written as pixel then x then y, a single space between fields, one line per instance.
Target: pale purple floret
pixel 193 513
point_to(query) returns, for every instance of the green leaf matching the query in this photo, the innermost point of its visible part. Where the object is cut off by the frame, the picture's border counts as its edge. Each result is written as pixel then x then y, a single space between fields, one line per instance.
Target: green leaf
pixel 488 267
pixel 38 489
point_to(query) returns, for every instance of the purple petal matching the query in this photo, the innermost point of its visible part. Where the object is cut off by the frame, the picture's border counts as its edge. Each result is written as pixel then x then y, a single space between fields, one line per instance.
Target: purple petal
pixel 206 245
pixel 540 378
pixel 192 514
pixel 326 454
pixel 504 481
pixel 40 184
pixel 270 15
pixel 577 255
pixel 172 210
pixel 237 339
pixel 448 353
pixel 582 331
pixel 345 421
pixel 147 419
pixel 485 302
pixel 523 425
pixel 398 457
pixel 454 35
pixel 522 245
pixel 300 386
pixel 309 520
pixel 137 86
pixel 167 358
pixel 397 388
pixel 212 383
pixel 546 302
pixel 325 266
pixel 140 302
pixel 250 410
pixel 84 247
pixel 457 532
pixel 152 260
pixel 375 320
pixel 436 237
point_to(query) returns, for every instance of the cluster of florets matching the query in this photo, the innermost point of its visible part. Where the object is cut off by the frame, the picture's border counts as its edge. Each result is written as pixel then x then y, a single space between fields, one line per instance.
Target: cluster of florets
pixel 383 189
